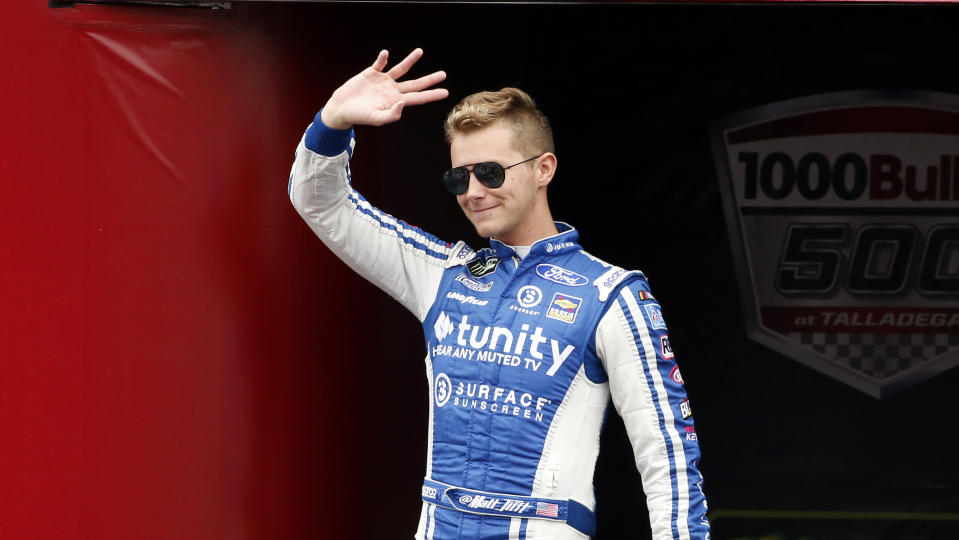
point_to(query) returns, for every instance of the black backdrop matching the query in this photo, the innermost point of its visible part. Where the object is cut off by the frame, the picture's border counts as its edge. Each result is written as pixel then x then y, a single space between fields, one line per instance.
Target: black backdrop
pixel 631 91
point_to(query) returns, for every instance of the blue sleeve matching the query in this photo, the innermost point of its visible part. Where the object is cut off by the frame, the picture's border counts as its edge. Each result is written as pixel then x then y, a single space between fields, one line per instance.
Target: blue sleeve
pixel 327 141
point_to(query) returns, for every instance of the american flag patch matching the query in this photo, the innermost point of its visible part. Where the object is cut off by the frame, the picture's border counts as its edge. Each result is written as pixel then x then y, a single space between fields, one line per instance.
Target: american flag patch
pixel 547 509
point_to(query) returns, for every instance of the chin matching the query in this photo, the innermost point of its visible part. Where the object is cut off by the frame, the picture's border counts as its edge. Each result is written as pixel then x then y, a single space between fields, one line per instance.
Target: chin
pixel 485 230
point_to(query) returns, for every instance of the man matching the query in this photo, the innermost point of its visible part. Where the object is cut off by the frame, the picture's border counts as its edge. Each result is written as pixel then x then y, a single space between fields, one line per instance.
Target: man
pixel 527 340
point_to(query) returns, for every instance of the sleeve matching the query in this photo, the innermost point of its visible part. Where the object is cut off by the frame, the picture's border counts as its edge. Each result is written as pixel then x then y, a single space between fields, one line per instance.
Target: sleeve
pixel 403 260
pixel 647 391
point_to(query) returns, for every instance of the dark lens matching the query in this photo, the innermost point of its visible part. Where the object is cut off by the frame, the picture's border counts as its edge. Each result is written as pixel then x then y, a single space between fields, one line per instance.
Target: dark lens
pixel 491 174
pixel 456 180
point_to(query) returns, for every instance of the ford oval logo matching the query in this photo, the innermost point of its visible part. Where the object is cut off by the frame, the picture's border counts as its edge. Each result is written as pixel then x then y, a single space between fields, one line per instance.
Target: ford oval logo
pixel 560 275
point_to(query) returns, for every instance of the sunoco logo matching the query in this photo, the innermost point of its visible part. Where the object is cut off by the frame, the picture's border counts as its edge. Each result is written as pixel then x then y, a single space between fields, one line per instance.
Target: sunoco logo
pixel 842 214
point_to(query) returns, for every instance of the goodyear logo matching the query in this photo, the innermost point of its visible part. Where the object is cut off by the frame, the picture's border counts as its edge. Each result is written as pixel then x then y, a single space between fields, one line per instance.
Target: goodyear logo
pixel 564 307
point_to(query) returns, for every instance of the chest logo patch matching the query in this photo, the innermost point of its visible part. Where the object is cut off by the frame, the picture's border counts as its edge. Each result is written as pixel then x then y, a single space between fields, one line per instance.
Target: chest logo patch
pixel 480 268
pixel 560 275
pixel 529 296
pixel 564 308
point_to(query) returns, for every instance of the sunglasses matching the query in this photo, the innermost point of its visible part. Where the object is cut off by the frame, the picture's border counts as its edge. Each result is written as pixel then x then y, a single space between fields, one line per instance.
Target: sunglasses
pixel 489 173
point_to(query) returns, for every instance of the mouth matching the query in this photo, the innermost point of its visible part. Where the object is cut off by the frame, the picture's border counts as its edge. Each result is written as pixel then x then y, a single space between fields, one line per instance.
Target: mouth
pixel 481 212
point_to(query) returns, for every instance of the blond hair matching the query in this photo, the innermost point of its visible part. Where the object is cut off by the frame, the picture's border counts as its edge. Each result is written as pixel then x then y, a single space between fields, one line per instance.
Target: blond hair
pixel 531 132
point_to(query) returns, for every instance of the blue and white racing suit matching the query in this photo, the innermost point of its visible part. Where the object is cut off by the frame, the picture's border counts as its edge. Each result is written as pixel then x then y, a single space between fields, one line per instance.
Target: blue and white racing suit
pixel 523 356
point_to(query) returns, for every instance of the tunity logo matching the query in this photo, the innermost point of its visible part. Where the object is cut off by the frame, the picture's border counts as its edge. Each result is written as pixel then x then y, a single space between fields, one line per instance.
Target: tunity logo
pixel 443 326
pixel 501 342
pixel 841 211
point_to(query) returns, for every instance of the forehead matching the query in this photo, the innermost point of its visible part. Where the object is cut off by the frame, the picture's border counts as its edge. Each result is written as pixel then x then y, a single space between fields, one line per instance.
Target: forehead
pixel 491 143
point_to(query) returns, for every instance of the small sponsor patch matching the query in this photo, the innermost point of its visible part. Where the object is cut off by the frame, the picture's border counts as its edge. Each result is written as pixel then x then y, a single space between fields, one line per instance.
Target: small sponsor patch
pixel 530 312
pixel 685 409
pixel 560 275
pixel 473 284
pixel 643 296
pixel 442 389
pixel 666 347
pixel 551 247
pixel 480 268
pixel 608 282
pixel 691 433
pixel 463 299
pixel 547 509
pixel 655 314
pixel 464 252
pixel 564 307
pixel 529 296
pixel 675 375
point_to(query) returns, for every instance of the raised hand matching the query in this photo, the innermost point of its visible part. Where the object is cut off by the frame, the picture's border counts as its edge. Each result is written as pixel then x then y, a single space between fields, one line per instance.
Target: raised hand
pixel 374 98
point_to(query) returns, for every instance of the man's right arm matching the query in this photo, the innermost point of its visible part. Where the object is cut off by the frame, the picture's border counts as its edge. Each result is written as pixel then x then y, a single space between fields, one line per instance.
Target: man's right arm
pixel 403 260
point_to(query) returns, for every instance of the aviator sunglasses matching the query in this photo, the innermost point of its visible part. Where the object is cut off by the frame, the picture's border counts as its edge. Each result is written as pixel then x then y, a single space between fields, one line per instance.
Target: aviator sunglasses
pixel 489 173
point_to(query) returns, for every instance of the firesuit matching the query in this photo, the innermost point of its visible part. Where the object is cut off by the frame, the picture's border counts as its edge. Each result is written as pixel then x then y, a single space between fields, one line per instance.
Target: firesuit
pixel 523 356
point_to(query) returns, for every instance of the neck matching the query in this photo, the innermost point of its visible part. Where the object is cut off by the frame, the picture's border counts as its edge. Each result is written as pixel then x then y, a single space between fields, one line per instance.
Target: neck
pixel 531 231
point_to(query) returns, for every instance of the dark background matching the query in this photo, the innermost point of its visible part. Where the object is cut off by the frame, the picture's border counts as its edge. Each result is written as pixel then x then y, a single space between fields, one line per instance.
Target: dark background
pixel 631 91
pixel 185 360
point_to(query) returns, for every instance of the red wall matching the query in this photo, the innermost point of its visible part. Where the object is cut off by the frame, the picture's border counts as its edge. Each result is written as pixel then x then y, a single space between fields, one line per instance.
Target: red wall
pixel 164 314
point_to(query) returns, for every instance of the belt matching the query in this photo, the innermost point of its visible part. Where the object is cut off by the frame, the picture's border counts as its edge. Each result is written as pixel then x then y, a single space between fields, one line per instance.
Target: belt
pixel 574 514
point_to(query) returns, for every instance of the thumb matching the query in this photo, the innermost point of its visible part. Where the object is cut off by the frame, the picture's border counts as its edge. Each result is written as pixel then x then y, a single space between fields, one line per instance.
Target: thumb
pixel 391 115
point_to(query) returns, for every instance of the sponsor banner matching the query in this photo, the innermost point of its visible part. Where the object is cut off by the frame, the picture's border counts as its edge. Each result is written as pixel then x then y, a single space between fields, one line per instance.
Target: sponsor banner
pixel 841 210
pixel 489 399
pixel 529 348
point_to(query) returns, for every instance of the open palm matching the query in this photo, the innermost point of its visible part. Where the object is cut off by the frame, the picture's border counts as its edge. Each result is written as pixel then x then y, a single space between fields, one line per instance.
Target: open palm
pixel 374 97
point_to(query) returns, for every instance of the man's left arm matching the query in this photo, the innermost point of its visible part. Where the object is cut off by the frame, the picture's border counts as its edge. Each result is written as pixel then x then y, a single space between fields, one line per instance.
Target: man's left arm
pixel 648 393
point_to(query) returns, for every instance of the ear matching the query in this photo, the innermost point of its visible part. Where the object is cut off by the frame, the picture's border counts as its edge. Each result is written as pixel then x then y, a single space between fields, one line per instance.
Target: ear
pixel 545 168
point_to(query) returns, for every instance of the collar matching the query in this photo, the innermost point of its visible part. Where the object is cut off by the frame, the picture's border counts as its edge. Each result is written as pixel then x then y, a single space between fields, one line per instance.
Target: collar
pixel 562 242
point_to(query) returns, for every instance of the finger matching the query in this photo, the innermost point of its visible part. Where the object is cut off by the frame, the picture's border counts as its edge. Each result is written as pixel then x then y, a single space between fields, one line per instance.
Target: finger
pixel 419 98
pixel 380 61
pixel 400 69
pixel 422 83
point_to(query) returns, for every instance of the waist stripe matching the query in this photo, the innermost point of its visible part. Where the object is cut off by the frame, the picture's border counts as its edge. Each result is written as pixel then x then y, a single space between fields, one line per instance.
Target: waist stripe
pixel 574 514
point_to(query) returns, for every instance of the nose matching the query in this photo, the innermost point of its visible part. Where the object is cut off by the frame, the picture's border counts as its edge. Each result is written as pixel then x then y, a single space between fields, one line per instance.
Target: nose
pixel 475 189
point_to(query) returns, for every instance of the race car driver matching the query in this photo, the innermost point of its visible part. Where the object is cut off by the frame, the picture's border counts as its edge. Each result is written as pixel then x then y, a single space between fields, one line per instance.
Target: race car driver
pixel 527 340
